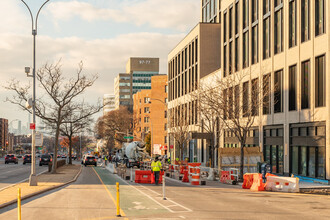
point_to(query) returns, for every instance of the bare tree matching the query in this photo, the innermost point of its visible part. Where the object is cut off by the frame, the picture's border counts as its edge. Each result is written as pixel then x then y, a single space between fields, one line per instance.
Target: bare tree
pixel 179 126
pixel 79 119
pixel 114 124
pixel 237 100
pixel 60 93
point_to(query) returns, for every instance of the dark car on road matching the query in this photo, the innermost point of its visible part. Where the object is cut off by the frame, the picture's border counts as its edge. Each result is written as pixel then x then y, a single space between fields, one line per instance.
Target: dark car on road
pixel 11 158
pixel 27 158
pixel 45 159
pixel 90 160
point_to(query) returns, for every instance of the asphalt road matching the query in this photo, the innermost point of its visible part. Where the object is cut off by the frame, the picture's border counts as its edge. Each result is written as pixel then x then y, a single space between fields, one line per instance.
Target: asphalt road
pixel 93 199
pixel 13 173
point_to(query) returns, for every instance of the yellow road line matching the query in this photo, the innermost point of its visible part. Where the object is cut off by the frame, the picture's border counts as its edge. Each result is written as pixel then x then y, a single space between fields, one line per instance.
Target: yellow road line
pixel 105 187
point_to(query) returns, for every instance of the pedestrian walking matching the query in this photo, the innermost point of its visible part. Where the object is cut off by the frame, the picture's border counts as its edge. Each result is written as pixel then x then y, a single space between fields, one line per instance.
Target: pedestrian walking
pixel 156 167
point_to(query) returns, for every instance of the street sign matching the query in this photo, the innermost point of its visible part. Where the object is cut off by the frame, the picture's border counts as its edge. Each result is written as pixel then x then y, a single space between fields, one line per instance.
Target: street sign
pixel 39 139
pixel 32 126
pixel 128 137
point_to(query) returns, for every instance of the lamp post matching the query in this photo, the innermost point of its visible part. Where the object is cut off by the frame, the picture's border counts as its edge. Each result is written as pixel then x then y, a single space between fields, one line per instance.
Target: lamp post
pixel 33 178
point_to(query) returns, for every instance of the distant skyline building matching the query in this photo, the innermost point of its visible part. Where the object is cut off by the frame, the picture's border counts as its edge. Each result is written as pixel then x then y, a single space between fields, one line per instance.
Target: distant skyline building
pixel 108 103
pixel 139 71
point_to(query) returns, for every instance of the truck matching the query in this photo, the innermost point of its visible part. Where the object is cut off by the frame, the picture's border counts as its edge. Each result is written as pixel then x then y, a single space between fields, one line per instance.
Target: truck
pixel 133 153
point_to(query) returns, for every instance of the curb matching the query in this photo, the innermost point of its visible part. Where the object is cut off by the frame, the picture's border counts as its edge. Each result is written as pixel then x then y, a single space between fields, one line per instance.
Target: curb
pixel 40 192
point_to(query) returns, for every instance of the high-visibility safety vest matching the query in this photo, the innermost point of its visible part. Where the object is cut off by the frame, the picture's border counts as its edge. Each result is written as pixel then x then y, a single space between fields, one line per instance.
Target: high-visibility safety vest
pixel 156 166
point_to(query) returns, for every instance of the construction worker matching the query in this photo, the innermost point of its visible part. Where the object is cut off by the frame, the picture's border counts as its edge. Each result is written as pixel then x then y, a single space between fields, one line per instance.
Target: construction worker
pixel 156 167
pixel 106 160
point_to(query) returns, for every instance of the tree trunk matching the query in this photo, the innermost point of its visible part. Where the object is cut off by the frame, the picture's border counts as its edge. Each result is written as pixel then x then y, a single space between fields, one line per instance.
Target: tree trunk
pixel 54 167
pixel 241 173
pixel 70 150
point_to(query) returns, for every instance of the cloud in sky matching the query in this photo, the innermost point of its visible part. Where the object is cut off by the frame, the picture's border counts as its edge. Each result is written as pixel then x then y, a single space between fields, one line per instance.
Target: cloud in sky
pixel 106 56
pixel 173 14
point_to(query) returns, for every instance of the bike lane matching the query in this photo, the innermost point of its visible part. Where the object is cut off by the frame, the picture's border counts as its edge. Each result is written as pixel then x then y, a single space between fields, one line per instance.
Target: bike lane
pixel 133 201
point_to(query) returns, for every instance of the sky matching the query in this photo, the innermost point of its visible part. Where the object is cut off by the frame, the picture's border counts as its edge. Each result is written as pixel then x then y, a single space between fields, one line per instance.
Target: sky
pixel 103 34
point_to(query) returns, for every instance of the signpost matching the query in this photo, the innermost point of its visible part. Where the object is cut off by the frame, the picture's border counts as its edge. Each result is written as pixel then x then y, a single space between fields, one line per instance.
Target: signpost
pixel 128 137
pixel 38 139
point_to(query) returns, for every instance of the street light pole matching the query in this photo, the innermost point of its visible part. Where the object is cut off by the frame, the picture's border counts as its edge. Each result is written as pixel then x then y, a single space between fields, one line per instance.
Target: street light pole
pixel 33 177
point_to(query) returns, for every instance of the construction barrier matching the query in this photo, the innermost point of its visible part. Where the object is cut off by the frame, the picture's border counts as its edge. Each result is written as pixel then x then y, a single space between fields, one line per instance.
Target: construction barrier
pixel 282 184
pixel 258 184
pixel 194 173
pixel 247 180
pixel 185 178
pixel 228 177
pixel 143 176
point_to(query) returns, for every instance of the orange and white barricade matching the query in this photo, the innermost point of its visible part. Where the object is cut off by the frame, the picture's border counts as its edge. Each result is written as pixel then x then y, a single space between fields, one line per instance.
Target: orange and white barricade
pixel 282 184
pixel 257 185
pixel 194 173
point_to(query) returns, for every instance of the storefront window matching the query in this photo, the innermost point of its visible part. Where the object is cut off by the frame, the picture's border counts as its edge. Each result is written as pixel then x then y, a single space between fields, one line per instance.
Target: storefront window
pixel 321 154
pixel 280 159
pixel 303 161
pixel 267 154
pixel 311 162
pixel 274 170
pixel 294 161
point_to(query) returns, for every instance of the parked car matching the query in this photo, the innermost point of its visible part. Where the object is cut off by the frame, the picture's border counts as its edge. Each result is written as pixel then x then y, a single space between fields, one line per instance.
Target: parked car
pixel 63 156
pixel 11 158
pixel 45 159
pixel 27 158
pixel 90 160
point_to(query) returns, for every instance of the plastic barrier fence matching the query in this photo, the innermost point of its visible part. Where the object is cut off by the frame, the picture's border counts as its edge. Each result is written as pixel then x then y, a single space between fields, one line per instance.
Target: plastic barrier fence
pixel 282 184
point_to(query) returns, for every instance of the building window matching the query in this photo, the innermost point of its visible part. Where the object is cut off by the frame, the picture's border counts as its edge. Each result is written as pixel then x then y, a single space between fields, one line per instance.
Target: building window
pixel 146 119
pixel 278 91
pixel 165 126
pixel 254 44
pixel 146 100
pixel 146 110
pixel 237 54
pixel 255 97
pixel 246 49
pixel 225 60
pixel 254 10
pixel 245 99
pixel 266 94
pixel 236 17
pixel 245 13
pixel 292 23
pixel 266 29
pixel 165 139
pixel 237 101
pixel 304 20
pixel 266 7
pixel 305 76
pixel 225 27
pixel 278 28
pixel 292 88
pixel 165 114
pixel 230 30
pixel 166 88
pixel 230 67
pixel 319 17
pixel 320 81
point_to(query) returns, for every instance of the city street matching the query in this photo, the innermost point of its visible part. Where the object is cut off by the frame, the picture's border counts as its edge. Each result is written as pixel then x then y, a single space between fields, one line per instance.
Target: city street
pixel 13 173
pixel 91 198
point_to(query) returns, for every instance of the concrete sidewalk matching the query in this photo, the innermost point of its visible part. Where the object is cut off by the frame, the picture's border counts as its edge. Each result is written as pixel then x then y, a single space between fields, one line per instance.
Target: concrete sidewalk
pixel 65 174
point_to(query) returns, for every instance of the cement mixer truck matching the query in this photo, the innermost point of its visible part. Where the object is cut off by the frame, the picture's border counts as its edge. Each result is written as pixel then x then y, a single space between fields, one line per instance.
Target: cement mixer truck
pixel 133 153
